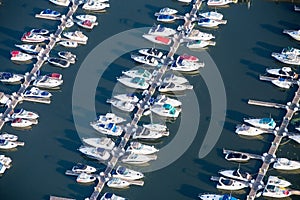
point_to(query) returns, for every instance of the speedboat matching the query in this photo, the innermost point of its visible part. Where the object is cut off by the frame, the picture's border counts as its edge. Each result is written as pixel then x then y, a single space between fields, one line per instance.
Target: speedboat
pixel 151 52
pixel 130 97
pixel 210 23
pixel 59 62
pixel 238 157
pixel 216 197
pixel 148 60
pixel 282 72
pixel 101 142
pixel 198 44
pixel 8 137
pixel 174 79
pixel 293 33
pixel 122 105
pixel 264 123
pixel 183 65
pixel 166 110
pixel 127 174
pixel 95 6
pixel 274 180
pixel 29 48
pixel 158 39
pixel 24 114
pixel 95 153
pixel 55 76
pixel 147 134
pixel 82 168
pixel 111 196
pixel 139 148
pixel 49 13
pixel 69 44
pixel 230 184
pixel 275 192
pixel 286 164
pixel 162 99
pixel 117 183
pixel 140 73
pixel 237 174
pixel 5 160
pixel 76 36
pixel 39 31
pixel 87 24
pixel 138 159
pixel 31 37
pixel 20 56
pixel 166 11
pixel 166 18
pixel 47 82
pixel 110 118
pixel 85 178
pixel 198 35
pixel 6 144
pixel 136 82
pixel 174 87
pixel 189 58
pixel 160 30
pixel 91 18
pixel 282 83
pixel 107 129
pixel 21 123
pixel 248 130
pixel 291 50
pixel 8 77
pixel 212 15
pixel 60 2
pixel 34 92
pixel 156 127
pixel 2 168
pixel 220 2
pixel 67 55
pixel 290 59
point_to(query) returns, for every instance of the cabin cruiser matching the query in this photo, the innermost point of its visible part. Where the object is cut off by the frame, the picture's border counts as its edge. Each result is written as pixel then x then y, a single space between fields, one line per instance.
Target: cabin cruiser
pixel 149 60
pixel 67 55
pixel 76 36
pixel 275 192
pixel 237 174
pixel 162 99
pixel 6 144
pixel 140 73
pixel 91 18
pixel 238 157
pixel 8 137
pixel 121 105
pixel 198 35
pixel 85 178
pixel 117 183
pixel 95 6
pixel 20 56
pixel 136 82
pixel 31 37
pixel 59 62
pixel 49 13
pixel 158 39
pixel 22 123
pixel 138 159
pixel 264 123
pixel 87 24
pixel 95 153
pixel 111 196
pixel 220 2
pixel 156 127
pixel 47 82
pixel 174 87
pixel 100 142
pixel 2 168
pixel 230 184
pixel 148 134
pixel 69 44
pixel 139 148
pixel 291 50
pixel 23 114
pixel 198 44
pixel 185 1
pixel 166 18
pixel 286 72
pixel 166 11
pixel 8 77
pixel 166 110
pixel 274 180
pixel 282 83
pixel 110 118
pixel 82 168
pixel 174 79
pixel 5 160
pixel 248 130
pixel 127 174
pixel 29 48
pixel 39 31
pixel 151 52
pixel 129 97
pixel 210 23
pixel 60 2
pixel 286 164
pixel 293 33
pixel 212 15
pixel 296 138
pixel 189 58
pixel 216 197
pixel 107 129
pixel 34 92
pixel 160 30
pixel 183 65
pixel 290 59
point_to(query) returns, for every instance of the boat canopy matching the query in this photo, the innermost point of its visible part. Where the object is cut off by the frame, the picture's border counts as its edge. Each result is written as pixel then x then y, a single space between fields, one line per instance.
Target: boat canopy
pixel 269 121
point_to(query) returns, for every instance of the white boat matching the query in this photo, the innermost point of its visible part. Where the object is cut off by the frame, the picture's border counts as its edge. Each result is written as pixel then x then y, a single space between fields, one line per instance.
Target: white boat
pixel 139 148
pixel 34 92
pixel 158 39
pixel 248 130
pixel 2 168
pixel 198 44
pixel 210 23
pixel 293 33
pixel 189 58
pixel 220 2
pixel 185 1
pixel 163 99
pixel 156 127
pixel 136 82
pixel 100 142
pixel 174 87
pixel 296 138
pixel 216 197
pixel 110 118
pixel 160 30
pixel 76 36
pixel 138 159
pixel 6 144
pixel 296 8
pixel 91 18
pixel 122 105
pixel 29 48
pixel 264 123
pixel 166 110
pixel 85 178
pixel 20 56
pixel 198 35
pixel 286 164
pixel 21 123
pixel 148 60
pixel 238 157
pixel 140 73
pixel 282 72
pixel 230 184
pixel 47 82
pixel 67 55
pixel 39 31
pixel 147 134
pixel 151 52
pixel 282 83
pixel 166 18
pixel 69 44
pixel 174 79
pixel 111 196
pixel 183 65
pixel 87 24
pixel 127 174
pixel 107 129
pixel 212 15
pixel 59 62
pixel 117 183
pixel 290 59
pixel 8 77
pixel 291 50
pixel 8 137
pixel 129 97
pixel 5 160
pixel 31 37
pixel 24 114
pixel 166 11
pixel 237 174
pixel 274 180
pixel 49 13
pixel 60 2
pixel 82 168
pixel 95 6
pixel 95 153
pixel 275 192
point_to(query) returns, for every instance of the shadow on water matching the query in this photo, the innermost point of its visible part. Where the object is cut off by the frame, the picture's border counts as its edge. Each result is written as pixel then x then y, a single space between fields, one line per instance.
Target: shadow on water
pixel 69 140
pixel 268 46
pixel 253 66
pixel 274 29
pixel 288 25
pixel 189 191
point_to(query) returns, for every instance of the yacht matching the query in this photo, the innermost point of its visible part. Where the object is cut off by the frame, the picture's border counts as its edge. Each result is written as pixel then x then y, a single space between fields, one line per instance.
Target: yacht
pixel 36 93
pixel 20 56
pixel 158 39
pixel 230 184
pixel 296 138
pixel 21 123
pixel 47 82
pixel 59 62
pixel 166 11
pixel 148 60
pixel 8 137
pixel 6 144
pixel 91 18
pixel 185 1
pixel 82 168
pixel 139 148
pixel 85 178
pixel 95 6
pixel 127 174
pixel 121 105
pixel 198 35
pixel 264 123
pixel 210 23
pixel 189 58
pixel 220 2
pixel 69 44
pixel 2 168
pixel 286 164
pixel 87 24
pixel 295 34
pixel 152 52
pixel 166 18
pixel 129 97
pixel 138 159
pixel 291 50
pixel 162 99
pixel 285 72
pixel 100 142
pixel 117 183
pixel 76 36
pixel 174 79
pixel 49 13
pixel 5 160
pixel 160 30
pixel 166 110
pixel 183 65
pixel 67 55
pixel 95 153
pixel 275 192
pixel 216 197
pixel 248 130
pixel 34 38
pixel 39 31
pixel 8 77
pixel 107 129
pixel 110 118
pixel 111 196
pixel 274 180
pixel 61 2
pixel 290 59
pixel 238 157
pixel 23 114
pixel 156 127
pixel 136 82
pixel 140 73
pixel 148 134
pixel 237 174
pixel 174 87
pixel 199 44
pixel 30 48
pixel 282 83
pixel 212 15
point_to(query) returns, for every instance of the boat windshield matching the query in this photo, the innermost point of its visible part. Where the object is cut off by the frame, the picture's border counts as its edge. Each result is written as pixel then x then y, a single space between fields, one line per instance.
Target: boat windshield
pixel 167 106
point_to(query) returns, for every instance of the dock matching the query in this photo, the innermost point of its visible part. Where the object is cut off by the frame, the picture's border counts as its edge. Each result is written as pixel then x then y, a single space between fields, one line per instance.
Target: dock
pixel 267 104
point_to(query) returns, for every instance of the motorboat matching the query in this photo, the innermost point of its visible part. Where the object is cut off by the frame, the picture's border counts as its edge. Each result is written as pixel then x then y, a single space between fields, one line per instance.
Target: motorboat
pixel 121 105
pixel 238 157
pixel 59 62
pixel 2 168
pixel 166 18
pixel 85 178
pixel 129 97
pixel 296 8
pixel 148 60
pixel 95 6
pixel 117 183
pixel 237 174
pixel 34 92
pixel 174 87
pixel 76 36
pixel 34 38
pixel 69 23
pixel 69 44
pixel 166 11
pixel 20 56
pixel 275 192
pixel 282 83
pixel 290 59
pixel 216 197
pixel 291 50
pixel 49 13
pixel 160 30
pixel 274 180
pixel 295 34
pixel 67 55
pixel 136 82
pixel 21 123
pixel 6 144
pixel 185 1
pixel 156 127
pixel 107 129
pixel 55 76
pixel 183 65
pixel 127 174
pixel 166 110
pixel 140 73
pixel 138 159
pixel 91 18
pixel 158 39
pixel 174 79
pixel 87 24
pixel 147 134
pixel 8 77
pixel 82 168
pixel 210 23
pixel 230 184
pixel 100 142
pixel 60 2
pixel 198 44
pixel 5 160
pixel 248 130
pixel 139 148
pixel 24 114
pixel 8 137
pixel 95 153
pixel 163 99
pixel 296 138
pixel 111 196
pixel 189 58
pixel 39 31
pixel 264 123
pixel 198 35
pixel 220 2
pixel 29 48
pixel 4 99
pixel 151 52
pixel 286 164
pixel 286 72
pixel 110 118
pixel 212 15
pixel 47 82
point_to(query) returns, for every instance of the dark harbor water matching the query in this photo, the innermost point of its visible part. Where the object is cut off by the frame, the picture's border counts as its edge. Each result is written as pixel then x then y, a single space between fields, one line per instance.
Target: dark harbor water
pixel 242 52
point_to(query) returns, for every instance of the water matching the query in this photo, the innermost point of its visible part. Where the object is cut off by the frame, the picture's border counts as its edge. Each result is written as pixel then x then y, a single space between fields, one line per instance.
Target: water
pixel 242 52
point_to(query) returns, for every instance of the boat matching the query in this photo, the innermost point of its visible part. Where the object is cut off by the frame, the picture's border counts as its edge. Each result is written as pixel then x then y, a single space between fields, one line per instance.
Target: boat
pixel 138 159
pixel 111 196
pixel 210 23
pixel 23 114
pixel 158 39
pixel 220 2
pixel 76 36
pixel 286 72
pixel 82 168
pixel 148 134
pixel 160 30
pixel 91 18
pixel 151 52
pixel 107 129
pixel 166 110
pixel 290 59
pixel 198 35
pixel 95 6
pixel 110 118
pixel 69 44
pixel 275 192
pixel 8 137
pixel 2 168
pixel 237 174
pixel 174 79
pixel 183 65
pixel 127 174
pixel 100 142
pixel 296 138
pixel 136 82
pixel 282 83
pixel 34 92
pixel 95 153
pixel 156 127
pixel 230 184
pixel 166 18
pixel 212 15
pixel 49 13
pixel 198 44
pixel 286 164
pixel 129 97
pixel 6 144
pixel 174 87
pixel 5 160
pixel 296 8
pixel 8 77
pixel 295 34
pixel 238 157
pixel 274 180
pixel 117 183
pixel 31 37
pixel 166 11
pixel 290 50
pixel 189 58
pixel 21 123
pixel 216 197
pixel 185 1
pixel 40 31
pixel 47 82
pixel 248 130
pixel 264 123
pixel 139 148
pixel 59 62
pixel 29 48
pixel 122 105
pixel 148 60
pixel 140 73
pixel 20 56
pixel 55 76
pixel 85 178
pixel 87 24
pixel 61 2
pixel 163 99
pixel 67 55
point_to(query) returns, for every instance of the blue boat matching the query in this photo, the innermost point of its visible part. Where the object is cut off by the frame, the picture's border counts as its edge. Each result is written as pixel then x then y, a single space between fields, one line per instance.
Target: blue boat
pixel 166 18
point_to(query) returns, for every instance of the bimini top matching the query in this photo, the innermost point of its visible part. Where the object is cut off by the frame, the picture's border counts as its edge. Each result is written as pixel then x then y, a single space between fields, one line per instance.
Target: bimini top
pixel 269 121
